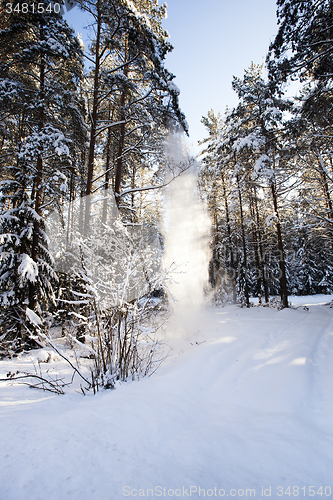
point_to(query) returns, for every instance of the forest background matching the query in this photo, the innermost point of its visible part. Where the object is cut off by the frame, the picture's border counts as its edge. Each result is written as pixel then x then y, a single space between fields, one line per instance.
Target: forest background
pixel 85 153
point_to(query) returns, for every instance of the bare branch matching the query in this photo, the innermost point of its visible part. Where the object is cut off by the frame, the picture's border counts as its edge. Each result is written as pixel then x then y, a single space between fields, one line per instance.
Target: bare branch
pixel 149 188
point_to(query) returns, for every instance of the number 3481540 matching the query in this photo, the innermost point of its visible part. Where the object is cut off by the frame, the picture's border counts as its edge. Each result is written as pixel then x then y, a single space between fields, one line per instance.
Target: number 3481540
pixel 32 8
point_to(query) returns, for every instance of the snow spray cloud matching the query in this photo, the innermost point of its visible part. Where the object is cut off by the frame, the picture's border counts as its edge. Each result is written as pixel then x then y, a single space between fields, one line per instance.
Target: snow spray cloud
pixel 186 232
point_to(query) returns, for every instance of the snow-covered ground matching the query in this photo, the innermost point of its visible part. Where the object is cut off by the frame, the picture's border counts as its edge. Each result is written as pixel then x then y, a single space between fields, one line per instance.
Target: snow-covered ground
pixel 242 407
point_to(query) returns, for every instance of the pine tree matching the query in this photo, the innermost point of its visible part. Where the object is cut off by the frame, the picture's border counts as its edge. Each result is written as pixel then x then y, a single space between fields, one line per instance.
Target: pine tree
pixel 132 95
pixel 40 76
pixel 303 45
pixel 215 184
pixel 259 116
pixel 248 154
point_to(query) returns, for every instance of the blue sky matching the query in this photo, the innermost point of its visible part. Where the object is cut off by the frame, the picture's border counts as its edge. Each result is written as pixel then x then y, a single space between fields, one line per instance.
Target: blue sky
pixel 213 40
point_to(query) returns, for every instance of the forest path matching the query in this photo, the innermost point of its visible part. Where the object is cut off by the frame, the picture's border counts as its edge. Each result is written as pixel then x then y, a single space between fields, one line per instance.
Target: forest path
pixel 243 402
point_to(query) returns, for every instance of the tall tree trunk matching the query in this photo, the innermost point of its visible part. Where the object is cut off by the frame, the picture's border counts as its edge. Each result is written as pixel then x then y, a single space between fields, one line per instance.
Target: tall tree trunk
pixel 122 131
pixel 107 167
pixel 91 156
pixel 246 283
pixel 323 175
pixel 119 163
pixel 133 212
pixel 282 264
pixel 261 251
pixel 256 248
pixel 82 190
pixel 70 211
pixel 38 188
pixel 215 264
pixel 231 252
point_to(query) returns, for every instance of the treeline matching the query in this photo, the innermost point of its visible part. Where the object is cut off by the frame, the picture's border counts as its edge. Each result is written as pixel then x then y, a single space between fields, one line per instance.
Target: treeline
pixel 267 170
pixel 75 124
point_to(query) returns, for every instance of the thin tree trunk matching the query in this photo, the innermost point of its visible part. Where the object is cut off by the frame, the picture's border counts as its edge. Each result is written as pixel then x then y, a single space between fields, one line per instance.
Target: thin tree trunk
pixel 122 131
pixel 246 283
pixel 256 249
pixel 282 264
pixel 262 257
pixel 133 194
pixel 91 156
pixel 214 274
pixel 323 175
pixel 119 164
pixel 70 211
pixel 232 260
pixel 82 187
pixel 38 183
pixel 107 167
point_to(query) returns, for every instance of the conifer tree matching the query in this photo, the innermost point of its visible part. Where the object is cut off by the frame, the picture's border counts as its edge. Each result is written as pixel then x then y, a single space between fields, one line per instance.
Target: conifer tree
pixel 259 116
pixel 39 77
pixel 132 96
pixel 303 45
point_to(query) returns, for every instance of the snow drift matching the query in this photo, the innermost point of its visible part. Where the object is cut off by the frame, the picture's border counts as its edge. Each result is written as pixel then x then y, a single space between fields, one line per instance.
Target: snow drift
pixel 242 407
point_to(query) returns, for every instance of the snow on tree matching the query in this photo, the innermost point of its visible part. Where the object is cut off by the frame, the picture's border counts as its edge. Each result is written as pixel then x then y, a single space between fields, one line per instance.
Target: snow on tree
pixel 39 78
